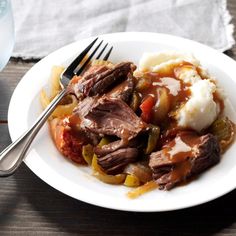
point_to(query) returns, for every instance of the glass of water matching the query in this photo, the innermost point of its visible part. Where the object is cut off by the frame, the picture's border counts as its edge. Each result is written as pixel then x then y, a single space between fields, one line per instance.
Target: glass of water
pixel 6 32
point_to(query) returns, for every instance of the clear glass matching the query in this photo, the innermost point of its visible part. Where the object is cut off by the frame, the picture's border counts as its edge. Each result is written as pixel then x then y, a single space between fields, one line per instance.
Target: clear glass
pixel 6 32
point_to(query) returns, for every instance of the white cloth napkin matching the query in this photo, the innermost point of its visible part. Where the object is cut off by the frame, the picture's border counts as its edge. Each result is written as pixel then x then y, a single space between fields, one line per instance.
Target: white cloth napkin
pixel 42 26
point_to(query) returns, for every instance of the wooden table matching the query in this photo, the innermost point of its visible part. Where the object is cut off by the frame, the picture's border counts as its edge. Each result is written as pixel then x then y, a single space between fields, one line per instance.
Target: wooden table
pixel 28 206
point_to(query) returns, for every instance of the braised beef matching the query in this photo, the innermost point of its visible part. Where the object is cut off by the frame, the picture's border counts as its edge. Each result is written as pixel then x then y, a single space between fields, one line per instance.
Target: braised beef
pixel 110 155
pixel 77 81
pixel 114 163
pixel 200 153
pixel 113 146
pixel 123 90
pixel 84 107
pixel 110 147
pixel 102 80
pixel 109 116
pixel 94 71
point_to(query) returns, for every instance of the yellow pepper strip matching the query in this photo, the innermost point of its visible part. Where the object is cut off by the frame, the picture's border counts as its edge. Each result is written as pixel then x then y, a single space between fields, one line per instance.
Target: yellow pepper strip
pixel 103 142
pixel 131 181
pixel 109 179
pixel 87 153
pixel 147 187
pixel 95 165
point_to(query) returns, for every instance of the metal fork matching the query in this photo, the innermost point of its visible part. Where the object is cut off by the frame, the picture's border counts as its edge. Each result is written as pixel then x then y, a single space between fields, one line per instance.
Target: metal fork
pixel 12 156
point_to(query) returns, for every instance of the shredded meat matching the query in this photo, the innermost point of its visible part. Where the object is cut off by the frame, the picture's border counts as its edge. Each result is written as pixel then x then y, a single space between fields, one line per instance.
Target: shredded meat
pixel 102 79
pixel 124 90
pixel 115 162
pixel 113 146
pixel 109 116
pixel 169 170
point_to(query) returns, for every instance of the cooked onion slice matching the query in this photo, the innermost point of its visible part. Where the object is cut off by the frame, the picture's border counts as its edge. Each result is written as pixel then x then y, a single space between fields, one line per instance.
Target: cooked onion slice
pixel 149 186
pixel 140 170
pixel 224 130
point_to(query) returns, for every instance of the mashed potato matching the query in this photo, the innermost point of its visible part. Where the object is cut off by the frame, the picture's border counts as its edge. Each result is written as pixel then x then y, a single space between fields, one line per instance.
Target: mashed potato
pixel 201 109
pixel 157 62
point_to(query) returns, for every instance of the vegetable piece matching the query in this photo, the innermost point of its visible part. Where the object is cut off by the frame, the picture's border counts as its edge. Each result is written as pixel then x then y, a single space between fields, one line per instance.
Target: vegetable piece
pixel 109 179
pixel 149 186
pixel 146 108
pixel 143 84
pixel 44 99
pixel 95 165
pixel 55 80
pixel 102 63
pixel 66 109
pixel 141 170
pixel 131 181
pixel 87 152
pixel 224 130
pixel 135 101
pixel 152 139
pixel 100 174
pixel 103 142
pixel 66 141
pixel 162 106
pixel 61 111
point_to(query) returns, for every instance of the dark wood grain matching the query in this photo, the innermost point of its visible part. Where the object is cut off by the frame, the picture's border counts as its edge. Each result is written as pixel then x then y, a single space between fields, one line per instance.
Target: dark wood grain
pixel 9 78
pixel 28 206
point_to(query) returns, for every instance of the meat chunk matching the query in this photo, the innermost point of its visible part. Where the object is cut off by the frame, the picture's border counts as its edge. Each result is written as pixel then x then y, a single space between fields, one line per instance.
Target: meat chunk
pixel 185 156
pixel 123 90
pixel 110 147
pixel 103 79
pixel 113 146
pixel 76 83
pixel 109 116
pixel 114 117
pixel 114 163
pixel 84 108
pixel 114 157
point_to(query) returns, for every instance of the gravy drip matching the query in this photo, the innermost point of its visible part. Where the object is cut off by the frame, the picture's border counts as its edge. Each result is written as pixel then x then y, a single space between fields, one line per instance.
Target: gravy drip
pixel 168 91
pixel 180 151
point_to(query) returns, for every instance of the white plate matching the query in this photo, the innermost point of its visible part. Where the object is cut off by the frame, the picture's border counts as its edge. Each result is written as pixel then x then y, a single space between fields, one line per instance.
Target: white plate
pixel 46 162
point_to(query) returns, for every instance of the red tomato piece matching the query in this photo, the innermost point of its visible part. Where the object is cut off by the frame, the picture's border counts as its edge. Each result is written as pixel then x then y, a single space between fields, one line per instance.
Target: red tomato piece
pixel 146 108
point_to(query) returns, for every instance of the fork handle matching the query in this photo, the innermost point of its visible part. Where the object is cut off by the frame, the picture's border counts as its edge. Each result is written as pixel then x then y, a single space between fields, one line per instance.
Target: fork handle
pixel 12 156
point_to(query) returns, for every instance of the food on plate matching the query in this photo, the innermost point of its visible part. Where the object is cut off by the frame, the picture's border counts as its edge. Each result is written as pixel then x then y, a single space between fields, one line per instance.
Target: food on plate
pixel 186 155
pixel 152 126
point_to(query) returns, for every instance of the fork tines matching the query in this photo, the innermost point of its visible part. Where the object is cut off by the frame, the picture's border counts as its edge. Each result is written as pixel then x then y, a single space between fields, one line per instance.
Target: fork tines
pixel 81 61
pixel 80 68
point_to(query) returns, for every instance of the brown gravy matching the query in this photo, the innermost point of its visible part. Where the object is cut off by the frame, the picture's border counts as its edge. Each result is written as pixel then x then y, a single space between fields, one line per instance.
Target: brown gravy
pixel 180 151
pixel 170 92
